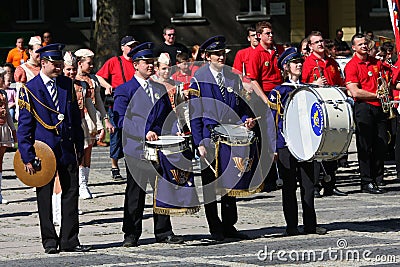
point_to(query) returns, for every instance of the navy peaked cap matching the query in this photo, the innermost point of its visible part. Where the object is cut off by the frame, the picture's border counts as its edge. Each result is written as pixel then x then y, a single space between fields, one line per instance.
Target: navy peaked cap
pixel 215 43
pixel 288 55
pixel 51 52
pixel 142 51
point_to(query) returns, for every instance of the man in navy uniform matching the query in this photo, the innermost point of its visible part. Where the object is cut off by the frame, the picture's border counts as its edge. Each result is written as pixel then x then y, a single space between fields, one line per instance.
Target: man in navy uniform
pixel 53 118
pixel 215 101
pixel 142 120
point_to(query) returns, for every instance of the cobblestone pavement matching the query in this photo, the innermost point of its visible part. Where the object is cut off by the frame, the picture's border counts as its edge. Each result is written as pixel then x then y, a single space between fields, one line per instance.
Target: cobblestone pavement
pixel 363 228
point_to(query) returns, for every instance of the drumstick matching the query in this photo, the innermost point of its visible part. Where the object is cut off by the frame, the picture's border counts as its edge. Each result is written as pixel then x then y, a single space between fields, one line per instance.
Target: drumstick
pixel 242 124
pixel 209 164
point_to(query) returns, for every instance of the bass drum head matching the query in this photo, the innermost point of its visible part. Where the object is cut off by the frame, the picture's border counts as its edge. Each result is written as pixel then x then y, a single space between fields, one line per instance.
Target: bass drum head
pixel 303 124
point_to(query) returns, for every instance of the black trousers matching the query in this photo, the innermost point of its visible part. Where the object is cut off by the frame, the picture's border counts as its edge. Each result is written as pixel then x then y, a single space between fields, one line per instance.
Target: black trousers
pixel 291 171
pixel 371 140
pixel 138 174
pixel 69 209
pixel 228 206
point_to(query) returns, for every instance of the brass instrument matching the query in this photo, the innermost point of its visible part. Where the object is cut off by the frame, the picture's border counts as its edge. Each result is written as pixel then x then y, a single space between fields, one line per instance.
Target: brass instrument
pixel 382 93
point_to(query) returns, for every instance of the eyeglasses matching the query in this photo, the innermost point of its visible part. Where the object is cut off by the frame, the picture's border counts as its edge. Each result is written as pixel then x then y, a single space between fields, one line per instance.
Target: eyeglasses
pixel 252 35
pixel 46 36
pixel 317 42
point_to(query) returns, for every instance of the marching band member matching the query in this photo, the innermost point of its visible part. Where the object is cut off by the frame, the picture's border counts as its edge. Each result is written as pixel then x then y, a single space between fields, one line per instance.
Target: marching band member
pixel 48 113
pixel 320 69
pixel 215 82
pixel 149 114
pixel 362 73
pixel 93 121
pixel 288 167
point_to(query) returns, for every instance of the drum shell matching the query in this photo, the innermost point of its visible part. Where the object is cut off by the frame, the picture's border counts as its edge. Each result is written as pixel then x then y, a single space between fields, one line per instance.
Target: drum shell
pixel 337 124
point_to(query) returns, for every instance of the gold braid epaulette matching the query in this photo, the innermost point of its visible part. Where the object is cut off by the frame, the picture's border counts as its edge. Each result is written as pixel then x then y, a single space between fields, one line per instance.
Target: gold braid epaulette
pixel 23 104
pixel 194 92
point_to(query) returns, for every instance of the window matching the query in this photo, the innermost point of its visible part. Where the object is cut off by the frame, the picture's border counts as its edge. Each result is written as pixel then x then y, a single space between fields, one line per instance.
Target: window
pixel 141 9
pixel 252 10
pixel 29 10
pixel 253 7
pixel 379 8
pixel 188 8
pixel 83 10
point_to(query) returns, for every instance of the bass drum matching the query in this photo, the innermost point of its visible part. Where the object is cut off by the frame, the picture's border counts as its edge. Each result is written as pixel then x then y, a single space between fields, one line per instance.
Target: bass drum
pixel 318 123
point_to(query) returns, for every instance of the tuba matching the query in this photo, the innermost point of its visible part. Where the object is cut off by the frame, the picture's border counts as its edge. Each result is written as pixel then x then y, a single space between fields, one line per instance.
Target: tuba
pixel 382 93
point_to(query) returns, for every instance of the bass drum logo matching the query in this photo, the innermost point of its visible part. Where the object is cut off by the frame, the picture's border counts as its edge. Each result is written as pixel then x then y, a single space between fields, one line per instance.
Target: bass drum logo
pixel 317 119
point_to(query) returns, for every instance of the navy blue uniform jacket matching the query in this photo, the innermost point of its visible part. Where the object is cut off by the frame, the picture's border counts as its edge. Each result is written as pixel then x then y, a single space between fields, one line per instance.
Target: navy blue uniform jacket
pixel 206 112
pixel 137 115
pixel 68 139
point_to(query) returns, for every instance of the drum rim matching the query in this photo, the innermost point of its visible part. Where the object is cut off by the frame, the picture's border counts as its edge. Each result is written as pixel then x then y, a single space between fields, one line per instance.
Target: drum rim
pixel 166 137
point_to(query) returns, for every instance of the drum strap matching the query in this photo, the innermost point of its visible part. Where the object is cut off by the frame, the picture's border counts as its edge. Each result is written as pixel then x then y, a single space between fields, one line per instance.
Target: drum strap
pixel 216 158
pixel 277 106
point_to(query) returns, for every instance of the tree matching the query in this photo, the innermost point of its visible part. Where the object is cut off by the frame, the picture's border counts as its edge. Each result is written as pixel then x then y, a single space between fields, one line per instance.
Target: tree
pixel 112 21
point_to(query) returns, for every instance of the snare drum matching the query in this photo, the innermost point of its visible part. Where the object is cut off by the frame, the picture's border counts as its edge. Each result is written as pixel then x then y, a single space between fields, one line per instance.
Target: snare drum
pixel 233 134
pixel 174 192
pixel 167 144
pixel 237 157
pixel 318 123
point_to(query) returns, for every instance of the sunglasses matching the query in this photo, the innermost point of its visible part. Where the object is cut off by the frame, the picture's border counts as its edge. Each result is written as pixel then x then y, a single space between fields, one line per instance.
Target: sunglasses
pixel 269 33
pixel 171 34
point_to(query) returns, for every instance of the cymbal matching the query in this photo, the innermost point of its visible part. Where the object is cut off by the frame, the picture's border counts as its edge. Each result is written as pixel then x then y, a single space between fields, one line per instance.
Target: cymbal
pixel 48 166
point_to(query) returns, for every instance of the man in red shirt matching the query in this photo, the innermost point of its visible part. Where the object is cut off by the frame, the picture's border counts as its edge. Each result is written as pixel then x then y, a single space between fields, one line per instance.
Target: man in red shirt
pixel 116 71
pixel 263 62
pixel 320 69
pixel 242 56
pixel 362 72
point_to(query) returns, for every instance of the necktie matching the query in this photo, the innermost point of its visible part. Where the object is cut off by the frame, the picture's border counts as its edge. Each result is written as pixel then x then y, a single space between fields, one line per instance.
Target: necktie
pixel 221 84
pixel 147 89
pixel 53 93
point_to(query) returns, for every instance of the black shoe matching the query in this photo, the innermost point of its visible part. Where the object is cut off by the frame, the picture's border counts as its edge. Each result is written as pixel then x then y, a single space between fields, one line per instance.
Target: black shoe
pixel 381 183
pixel 116 175
pixel 217 236
pixel 130 241
pixel 371 189
pixel 291 232
pixel 318 230
pixel 78 248
pixel 339 193
pixel 172 239
pixel 317 194
pixel 236 234
pixel 50 250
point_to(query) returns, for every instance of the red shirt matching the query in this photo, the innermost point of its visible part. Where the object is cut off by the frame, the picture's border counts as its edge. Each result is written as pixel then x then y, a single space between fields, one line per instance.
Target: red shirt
pixel 263 67
pixel 328 66
pixel 111 71
pixel 241 62
pixel 365 74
